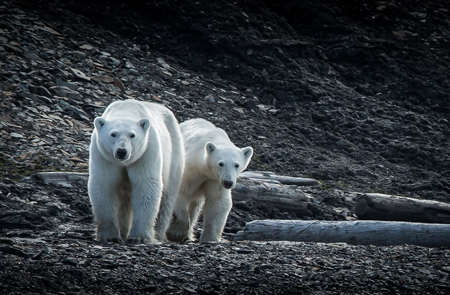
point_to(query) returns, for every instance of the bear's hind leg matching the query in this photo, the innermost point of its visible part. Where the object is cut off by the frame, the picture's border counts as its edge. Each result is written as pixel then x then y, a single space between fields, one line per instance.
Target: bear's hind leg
pixel 215 212
pixel 125 211
pixel 165 214
pixel 179 225
pixel 125 215
pixel 194 212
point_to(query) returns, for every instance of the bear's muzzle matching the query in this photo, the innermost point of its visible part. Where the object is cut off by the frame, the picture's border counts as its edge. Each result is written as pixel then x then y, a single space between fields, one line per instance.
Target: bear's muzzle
pixel 121 154
pixel 227 184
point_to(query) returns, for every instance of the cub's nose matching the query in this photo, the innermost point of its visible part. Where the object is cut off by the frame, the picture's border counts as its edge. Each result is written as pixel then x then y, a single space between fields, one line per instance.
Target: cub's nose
pixel 121 154
pixel 227 184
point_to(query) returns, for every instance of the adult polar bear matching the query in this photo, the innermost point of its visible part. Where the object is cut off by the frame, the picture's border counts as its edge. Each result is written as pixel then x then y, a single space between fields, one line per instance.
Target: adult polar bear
pixel 212 165
pixel 135 168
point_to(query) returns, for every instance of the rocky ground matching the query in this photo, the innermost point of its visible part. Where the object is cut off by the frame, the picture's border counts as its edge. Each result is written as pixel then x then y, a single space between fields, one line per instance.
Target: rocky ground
pixel 352 93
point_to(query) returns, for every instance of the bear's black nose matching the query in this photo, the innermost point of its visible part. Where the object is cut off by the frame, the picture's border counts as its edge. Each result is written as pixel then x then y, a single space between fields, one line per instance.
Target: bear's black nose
pixel 121 153
pixel 227 184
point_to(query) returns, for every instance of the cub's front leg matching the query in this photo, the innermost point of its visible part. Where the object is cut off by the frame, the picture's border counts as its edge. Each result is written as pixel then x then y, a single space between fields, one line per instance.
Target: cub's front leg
pixel 217 206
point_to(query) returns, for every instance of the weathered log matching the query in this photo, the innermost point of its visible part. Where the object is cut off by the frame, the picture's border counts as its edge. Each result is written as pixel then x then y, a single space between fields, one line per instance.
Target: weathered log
pixel 395 208
pixel 282 179
pixel 267 191
pixel 272 194
pixel 379 233
pixel 62 178
pixel 67 177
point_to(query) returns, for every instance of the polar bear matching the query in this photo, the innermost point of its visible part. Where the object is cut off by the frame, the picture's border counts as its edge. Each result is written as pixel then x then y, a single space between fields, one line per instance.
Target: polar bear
pixel 136 163
pixel 212 165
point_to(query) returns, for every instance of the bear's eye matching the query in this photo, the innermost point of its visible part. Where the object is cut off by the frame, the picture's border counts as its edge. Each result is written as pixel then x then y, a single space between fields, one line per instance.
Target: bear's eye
pixel 113 135
pixel 132 136
pixel 236 165
pixel 221 164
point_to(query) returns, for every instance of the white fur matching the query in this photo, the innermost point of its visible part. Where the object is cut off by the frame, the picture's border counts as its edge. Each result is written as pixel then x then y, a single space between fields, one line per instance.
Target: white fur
pixel 212 165
pixel 129 192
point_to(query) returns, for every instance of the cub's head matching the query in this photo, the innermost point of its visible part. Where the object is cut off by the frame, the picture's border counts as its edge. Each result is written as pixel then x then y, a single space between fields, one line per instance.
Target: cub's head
pixel 226 163
pixel 122 141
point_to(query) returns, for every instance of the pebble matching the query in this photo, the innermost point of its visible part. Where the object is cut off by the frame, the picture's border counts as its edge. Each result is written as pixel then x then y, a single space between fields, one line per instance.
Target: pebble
pixel 16 135
pixel 210 98
pixel 134 72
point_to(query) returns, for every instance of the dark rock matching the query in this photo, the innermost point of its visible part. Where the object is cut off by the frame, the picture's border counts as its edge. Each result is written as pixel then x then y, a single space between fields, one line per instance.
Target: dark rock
pixel 46 99
pixel 42 91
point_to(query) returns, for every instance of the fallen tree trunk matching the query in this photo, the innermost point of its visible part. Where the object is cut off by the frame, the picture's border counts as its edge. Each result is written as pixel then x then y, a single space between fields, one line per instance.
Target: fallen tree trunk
pixel 395 208
pixel 272 194
pixel 282 179
pixel 379 233
pixel 264 190
pixel 62 178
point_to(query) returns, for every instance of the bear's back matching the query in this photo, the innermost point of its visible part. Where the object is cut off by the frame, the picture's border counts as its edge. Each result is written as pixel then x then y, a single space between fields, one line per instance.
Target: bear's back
pixel 197 132
pixel 136 110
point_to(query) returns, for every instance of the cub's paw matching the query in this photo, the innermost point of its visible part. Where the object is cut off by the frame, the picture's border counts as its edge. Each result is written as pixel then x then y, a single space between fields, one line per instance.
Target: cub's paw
pixel 162 239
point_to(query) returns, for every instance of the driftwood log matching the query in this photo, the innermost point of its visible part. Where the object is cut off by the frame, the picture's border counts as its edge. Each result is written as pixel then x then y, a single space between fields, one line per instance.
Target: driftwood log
pixel 272 194
pixel 62 178
pixel 260 187
pixel 380 233
pixel 395 208
pixel 280 178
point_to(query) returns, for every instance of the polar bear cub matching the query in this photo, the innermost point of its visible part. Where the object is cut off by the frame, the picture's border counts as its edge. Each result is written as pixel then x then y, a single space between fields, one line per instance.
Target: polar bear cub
pixel 135 167
pixel 212 165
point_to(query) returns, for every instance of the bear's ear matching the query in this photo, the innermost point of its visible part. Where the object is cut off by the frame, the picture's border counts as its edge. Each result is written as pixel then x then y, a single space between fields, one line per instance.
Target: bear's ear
pixel 145 124
pixel 99 122
pixel 248 152
pixel 210 147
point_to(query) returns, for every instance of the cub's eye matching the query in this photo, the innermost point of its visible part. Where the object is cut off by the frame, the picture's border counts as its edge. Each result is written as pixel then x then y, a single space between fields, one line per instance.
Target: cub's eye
pixel 236 165
pixel 113 135
pixel 221 164
pixel 132 136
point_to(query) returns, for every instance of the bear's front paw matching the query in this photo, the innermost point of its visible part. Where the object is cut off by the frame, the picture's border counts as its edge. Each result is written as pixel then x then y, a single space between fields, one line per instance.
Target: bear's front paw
pixel 141 240
pixel 161 238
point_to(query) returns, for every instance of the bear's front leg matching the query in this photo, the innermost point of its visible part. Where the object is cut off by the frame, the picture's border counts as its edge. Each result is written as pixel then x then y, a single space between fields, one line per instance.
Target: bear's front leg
pixel 145 200
pixel 215 214
pixel 102 189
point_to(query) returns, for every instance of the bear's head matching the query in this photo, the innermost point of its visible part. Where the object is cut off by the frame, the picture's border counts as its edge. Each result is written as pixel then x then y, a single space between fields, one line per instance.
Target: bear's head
pixel 122 141
pixel 226 163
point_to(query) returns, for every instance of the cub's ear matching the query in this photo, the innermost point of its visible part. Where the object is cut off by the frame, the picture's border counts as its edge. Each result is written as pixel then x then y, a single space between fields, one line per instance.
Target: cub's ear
pixel 210 147
pixel 145 124
pixel 99 122
pixel 248 152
